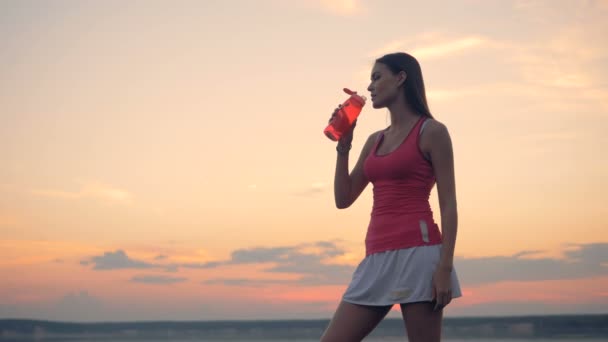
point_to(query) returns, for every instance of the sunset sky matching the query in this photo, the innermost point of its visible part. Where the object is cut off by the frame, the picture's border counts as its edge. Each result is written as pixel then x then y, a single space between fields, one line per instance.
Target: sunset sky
pixel 166 159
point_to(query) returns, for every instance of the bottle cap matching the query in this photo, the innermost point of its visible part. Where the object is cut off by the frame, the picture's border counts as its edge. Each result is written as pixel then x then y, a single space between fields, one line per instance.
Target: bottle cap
pixel 350 92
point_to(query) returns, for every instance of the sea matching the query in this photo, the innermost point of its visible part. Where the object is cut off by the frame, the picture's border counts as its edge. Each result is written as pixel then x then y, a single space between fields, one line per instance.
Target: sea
pixel 564 328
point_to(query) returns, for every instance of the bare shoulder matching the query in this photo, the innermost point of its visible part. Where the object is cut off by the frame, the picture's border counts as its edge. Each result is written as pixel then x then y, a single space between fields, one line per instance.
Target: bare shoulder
pixel 374 136
pixel 369 144
pixel 434 133
pixel 435 128
pixel 371 139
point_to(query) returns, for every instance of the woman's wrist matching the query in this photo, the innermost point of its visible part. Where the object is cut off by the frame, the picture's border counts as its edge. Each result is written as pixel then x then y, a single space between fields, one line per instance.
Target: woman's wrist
pixel 446 266
pixel 343 149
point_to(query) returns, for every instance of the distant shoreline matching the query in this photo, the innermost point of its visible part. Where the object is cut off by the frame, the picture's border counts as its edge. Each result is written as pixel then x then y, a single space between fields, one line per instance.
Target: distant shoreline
pixel 530 326
pixel 446 318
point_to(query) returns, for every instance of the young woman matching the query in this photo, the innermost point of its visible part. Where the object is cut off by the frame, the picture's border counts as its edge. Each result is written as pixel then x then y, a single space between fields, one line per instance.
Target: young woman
pixel 408 261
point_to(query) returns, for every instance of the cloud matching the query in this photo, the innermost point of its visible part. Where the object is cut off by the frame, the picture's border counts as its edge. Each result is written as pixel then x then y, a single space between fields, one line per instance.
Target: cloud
pixel 447 48
pixel 530 5
pixel 580 261
pixel 313 189
pixel 526 253
pixel 585 260
pixel 314 264
pixel 116 260
pixel 565 70
pixel 209 264
pixel 593 254
pixel 157 279
pixel 550 65
pixel 308 261
pixel 341 7
pixel 248 282
pixel 434 95
pixel 259 255
pixel 570 61
pixel 431 45
pixel 540 137
pixel 309 264
pixel 90 190
pixel 119 259
pixel 390 47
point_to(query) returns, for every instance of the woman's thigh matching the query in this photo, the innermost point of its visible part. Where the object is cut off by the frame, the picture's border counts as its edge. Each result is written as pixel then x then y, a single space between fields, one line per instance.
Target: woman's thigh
pixel 422 323
pixel 352 322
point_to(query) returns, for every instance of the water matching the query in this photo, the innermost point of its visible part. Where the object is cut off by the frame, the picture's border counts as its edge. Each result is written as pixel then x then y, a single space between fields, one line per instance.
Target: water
pixel 381 339
pixel 497 329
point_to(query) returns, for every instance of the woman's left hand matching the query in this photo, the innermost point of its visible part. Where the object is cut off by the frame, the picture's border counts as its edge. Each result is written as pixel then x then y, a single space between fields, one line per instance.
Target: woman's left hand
pixel 442 287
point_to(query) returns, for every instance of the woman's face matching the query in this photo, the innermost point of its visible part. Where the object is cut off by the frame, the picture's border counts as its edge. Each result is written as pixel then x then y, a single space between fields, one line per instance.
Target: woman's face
pixel 384 86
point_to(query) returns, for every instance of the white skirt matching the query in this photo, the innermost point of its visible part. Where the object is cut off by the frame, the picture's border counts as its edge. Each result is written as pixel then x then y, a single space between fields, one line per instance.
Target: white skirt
pixel 397 277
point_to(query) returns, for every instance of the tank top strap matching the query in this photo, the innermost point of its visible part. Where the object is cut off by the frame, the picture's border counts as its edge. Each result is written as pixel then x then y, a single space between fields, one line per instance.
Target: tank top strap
pixel 417 129
pixel 425 121
pixel 379 138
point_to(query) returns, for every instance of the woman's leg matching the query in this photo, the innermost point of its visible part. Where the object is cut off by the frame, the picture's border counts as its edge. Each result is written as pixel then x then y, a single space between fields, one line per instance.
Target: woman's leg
pixel 421 322
pixel 352 322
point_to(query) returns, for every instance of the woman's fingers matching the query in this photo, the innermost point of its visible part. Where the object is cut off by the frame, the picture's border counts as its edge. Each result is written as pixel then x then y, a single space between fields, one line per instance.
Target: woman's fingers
pixel 442 299
pixel 333 115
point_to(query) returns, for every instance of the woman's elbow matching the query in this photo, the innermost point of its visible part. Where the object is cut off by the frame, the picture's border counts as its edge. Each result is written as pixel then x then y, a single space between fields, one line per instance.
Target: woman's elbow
pixel 448 205
pixel 343 204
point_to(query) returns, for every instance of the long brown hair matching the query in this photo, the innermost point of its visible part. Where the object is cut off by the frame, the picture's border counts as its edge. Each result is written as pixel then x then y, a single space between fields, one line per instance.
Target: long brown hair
pixel 413 87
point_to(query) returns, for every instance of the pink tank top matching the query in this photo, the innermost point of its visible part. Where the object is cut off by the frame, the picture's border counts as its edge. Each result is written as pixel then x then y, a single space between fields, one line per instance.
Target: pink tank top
pixel 401 215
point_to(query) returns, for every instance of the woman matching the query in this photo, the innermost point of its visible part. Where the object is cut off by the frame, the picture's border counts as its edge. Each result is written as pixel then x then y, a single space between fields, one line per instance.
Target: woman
pixel 408 260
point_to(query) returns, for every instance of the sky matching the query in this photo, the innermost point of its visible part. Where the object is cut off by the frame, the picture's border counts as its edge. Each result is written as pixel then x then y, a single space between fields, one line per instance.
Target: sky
pixel 165 160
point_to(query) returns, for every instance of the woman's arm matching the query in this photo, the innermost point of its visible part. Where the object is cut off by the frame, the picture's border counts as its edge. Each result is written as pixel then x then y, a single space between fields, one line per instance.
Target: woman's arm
pixel 442 158
pixel 347 188
pixel 439 146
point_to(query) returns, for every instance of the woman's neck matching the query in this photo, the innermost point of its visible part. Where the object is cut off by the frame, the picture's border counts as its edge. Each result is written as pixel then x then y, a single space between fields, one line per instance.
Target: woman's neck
pixel 402 116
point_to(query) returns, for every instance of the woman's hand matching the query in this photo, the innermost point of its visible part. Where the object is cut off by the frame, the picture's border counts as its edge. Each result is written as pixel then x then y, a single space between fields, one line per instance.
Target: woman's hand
pixel 442 287
pixel 347 138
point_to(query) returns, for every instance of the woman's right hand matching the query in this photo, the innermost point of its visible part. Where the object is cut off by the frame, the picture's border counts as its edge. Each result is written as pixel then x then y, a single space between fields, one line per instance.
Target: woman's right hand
pixel 347 138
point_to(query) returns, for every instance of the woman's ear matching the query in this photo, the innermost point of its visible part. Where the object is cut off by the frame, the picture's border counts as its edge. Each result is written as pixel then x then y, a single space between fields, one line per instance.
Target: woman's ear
pixel 401 77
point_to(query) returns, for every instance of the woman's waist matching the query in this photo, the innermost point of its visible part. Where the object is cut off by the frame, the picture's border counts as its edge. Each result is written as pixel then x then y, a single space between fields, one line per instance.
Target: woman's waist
pixel 401 209
pixel 404 220
pixel 385 231
pixel 412 199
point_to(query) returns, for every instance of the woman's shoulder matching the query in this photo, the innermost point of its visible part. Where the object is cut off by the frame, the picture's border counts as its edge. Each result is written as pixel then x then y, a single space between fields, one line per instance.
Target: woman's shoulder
pixel 372 139
pixel 376 135
pixel 432 133
pixel 433 127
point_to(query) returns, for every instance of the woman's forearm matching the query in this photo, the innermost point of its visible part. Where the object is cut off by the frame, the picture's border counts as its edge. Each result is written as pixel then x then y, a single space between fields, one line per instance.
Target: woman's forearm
pixel 449 228
pixel 342 182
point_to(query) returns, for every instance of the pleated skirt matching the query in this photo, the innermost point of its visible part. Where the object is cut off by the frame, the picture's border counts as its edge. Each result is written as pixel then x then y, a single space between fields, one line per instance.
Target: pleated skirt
pixel 397 277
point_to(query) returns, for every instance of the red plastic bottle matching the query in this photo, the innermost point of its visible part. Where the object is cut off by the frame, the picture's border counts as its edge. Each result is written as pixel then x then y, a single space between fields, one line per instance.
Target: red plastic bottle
pixel 345 117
